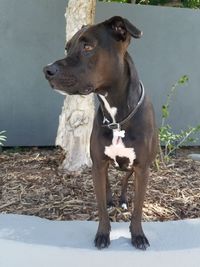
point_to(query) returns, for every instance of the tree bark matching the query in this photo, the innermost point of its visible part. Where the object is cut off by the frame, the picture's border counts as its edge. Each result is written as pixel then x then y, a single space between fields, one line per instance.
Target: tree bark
pixel 76 119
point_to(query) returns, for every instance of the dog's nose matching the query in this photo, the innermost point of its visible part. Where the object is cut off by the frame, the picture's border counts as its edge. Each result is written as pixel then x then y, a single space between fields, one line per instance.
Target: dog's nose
pixel 50 70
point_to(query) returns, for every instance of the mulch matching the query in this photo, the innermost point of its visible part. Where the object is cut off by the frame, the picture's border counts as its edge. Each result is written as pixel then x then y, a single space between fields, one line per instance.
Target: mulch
pixel 32 184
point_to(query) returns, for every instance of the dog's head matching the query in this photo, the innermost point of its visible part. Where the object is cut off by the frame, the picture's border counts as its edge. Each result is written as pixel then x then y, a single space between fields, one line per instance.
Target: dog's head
pixel 95 57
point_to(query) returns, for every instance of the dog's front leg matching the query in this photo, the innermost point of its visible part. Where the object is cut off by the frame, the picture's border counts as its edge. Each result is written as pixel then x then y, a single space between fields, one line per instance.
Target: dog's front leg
pixel 138 237
pixel 99 174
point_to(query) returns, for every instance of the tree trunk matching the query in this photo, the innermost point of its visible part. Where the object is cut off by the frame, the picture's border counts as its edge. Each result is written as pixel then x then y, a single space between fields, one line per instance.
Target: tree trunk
pixel 76 119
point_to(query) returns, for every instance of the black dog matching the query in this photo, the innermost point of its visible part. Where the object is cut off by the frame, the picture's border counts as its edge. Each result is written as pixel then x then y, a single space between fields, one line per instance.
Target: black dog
pixel 124 131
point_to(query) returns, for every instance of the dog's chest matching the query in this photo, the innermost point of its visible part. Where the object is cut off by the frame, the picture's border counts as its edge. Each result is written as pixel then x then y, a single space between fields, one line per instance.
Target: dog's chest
pixel 117 151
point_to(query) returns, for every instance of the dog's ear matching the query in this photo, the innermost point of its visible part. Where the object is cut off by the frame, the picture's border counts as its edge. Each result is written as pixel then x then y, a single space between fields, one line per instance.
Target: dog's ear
pixel 120 27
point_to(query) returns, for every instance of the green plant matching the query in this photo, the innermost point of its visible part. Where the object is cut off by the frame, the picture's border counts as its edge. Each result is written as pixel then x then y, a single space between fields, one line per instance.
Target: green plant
pixel 180 3
pixel 2 138
pixel 168 139
pixel 191 3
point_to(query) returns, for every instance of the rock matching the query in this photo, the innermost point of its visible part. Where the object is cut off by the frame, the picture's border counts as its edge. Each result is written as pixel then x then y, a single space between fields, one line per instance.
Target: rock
pixel 194 156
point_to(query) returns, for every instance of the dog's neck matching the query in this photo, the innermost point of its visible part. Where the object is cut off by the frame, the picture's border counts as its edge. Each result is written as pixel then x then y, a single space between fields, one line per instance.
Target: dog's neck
pixel 123 96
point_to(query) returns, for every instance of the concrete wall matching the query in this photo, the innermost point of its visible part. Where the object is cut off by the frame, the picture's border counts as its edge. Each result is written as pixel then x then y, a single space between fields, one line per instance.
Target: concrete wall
pixel 32 35
pixel 169 48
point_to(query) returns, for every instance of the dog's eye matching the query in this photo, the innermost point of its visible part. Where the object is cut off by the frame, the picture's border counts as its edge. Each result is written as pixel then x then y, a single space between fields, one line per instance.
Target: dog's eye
pixel 87 47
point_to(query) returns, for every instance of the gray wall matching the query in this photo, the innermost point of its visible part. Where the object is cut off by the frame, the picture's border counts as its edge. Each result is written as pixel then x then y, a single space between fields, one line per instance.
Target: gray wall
pixel 169 48
pixel 32 35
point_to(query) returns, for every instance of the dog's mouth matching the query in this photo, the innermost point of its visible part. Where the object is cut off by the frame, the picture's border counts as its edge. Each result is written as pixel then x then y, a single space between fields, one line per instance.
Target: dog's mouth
pixel 71 90
pixel 88 90
pixel 67 83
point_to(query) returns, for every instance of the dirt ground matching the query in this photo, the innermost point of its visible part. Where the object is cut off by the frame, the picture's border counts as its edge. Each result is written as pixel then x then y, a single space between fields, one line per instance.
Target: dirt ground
pixel 31 183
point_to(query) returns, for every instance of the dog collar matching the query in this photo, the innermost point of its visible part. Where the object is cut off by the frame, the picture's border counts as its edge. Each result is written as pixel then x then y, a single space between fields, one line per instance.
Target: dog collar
pixel 117 125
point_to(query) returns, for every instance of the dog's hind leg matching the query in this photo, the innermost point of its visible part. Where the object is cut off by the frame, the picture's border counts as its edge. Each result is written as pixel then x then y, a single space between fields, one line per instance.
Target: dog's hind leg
pixel 109 199
pixel 123 199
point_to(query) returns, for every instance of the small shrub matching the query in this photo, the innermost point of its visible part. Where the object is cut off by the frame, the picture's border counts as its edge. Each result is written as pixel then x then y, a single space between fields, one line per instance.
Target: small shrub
pixel 170 140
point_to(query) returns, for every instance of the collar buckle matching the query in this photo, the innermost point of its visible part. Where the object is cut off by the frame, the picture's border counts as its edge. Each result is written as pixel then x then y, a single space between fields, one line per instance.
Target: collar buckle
pixel 114 126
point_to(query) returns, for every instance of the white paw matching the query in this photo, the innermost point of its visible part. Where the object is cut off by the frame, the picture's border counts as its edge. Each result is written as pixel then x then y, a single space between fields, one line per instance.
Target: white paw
pixel 124 206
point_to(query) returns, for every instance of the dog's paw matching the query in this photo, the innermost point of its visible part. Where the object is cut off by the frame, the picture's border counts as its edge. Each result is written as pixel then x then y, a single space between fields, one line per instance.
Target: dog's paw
pixel 140 242
pixel 124 206
pixel 102 240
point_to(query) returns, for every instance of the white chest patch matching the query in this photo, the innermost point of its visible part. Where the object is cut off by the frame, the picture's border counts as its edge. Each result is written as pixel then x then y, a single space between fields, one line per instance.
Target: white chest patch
pixel 117 148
